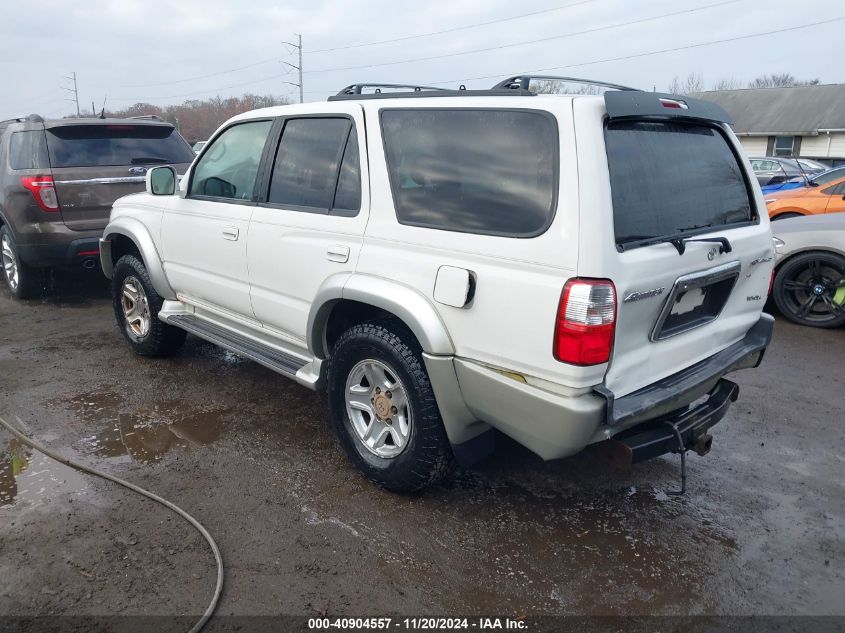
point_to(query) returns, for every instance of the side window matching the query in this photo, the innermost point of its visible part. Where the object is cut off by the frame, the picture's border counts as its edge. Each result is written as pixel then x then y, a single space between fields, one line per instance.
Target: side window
pixel 28 150
pixel 230 166
pixel 317 167
pixel 835 190
pixel 492 172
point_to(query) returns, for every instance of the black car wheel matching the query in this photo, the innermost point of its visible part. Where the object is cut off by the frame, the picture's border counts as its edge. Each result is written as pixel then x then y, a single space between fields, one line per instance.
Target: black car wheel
pixel 809 289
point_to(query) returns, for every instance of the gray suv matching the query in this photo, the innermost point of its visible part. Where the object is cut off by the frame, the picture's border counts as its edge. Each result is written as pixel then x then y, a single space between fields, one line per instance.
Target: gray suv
pixel 58 180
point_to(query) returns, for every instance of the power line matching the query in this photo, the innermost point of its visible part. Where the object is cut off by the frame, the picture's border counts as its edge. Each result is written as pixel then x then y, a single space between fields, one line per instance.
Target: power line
pixel 203 92
pixel 215 74
pixel 454 29
pixel 606 27
pixel 649 53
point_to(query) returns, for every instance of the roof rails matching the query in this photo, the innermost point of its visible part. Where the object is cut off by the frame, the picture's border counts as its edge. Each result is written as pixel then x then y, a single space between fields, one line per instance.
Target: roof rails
pixel 34 118
pixel 357 89
pixel 148 117
pixel 522 82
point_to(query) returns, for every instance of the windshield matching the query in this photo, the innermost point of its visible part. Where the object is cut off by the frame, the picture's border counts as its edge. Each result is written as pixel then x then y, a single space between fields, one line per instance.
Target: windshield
pixel 114 145
pixel 671 178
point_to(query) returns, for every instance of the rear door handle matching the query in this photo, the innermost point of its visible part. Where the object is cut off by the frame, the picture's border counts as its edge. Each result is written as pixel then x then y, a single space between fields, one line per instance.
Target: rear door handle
pixel 230 233
pixel 338 253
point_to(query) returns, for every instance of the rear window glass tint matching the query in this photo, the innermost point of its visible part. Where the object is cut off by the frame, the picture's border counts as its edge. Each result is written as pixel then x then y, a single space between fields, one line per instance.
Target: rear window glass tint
pixel 306 169
pixel 669 178
pixel 118 144
pixel 476 171
pixel 28 150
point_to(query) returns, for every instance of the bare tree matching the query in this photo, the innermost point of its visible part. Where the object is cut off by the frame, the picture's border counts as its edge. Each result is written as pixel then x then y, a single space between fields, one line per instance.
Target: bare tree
pixel 557 86
pixel 694 82
pixel 728 84
pixel 197 119
pixel 780 80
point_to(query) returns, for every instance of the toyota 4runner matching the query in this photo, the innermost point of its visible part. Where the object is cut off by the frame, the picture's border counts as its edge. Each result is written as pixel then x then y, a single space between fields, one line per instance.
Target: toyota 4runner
pixel 567 270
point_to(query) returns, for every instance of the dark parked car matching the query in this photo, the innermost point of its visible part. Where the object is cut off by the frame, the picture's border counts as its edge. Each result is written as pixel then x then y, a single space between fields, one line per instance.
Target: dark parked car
pixel 58 180
pixel 772 170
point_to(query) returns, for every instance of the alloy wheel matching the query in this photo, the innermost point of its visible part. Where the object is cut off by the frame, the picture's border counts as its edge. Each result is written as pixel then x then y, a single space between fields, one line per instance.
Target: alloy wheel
pixel 136 308
pixel 816 291
pixel 378 407
pixel 10 263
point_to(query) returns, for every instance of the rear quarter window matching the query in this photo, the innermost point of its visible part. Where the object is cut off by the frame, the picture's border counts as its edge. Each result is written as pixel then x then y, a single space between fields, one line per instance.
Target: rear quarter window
pixel 28 150
pixel 669 178
pixel 491 172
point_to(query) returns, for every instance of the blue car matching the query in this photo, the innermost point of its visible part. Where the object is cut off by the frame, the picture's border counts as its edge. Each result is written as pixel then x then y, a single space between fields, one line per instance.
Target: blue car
pixel 821 179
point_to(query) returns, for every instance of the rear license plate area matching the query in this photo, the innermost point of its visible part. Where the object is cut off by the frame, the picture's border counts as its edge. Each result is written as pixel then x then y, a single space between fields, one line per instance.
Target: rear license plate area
pixel 695 300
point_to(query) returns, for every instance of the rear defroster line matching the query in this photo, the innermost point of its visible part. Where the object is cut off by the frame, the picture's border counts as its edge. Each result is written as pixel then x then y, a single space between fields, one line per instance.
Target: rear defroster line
pixel 93 471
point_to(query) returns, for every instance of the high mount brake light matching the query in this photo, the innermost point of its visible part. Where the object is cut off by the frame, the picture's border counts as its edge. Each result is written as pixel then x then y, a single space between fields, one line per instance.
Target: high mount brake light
pixel 586 322
pixel 43 189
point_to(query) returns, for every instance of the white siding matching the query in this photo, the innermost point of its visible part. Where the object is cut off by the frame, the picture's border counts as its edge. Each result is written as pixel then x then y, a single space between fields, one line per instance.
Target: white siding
pixel 824 145
pixel 754 145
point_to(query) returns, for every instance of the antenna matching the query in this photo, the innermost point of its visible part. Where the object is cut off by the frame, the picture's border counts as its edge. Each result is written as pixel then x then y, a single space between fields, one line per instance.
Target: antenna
pixel 298 47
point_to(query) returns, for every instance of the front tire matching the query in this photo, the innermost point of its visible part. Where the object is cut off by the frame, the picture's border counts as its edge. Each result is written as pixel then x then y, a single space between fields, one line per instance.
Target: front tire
pixel 809 289
pixel 22 280
pixel 383 407
pixel 136 307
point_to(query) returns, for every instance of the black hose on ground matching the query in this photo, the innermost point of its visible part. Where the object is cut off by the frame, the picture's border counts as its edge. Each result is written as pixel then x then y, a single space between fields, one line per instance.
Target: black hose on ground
pixel 172 506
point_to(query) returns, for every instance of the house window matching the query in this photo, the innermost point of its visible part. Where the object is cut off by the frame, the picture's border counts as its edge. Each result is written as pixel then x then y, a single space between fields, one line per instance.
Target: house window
pixel 784 145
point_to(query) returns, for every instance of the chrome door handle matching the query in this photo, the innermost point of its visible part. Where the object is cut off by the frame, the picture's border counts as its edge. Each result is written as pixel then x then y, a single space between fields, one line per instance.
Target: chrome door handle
pixel 338 253
pixel 230 233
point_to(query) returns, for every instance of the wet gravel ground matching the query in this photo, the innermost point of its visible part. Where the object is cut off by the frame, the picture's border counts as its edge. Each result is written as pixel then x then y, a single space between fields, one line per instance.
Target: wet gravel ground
pixel 761 531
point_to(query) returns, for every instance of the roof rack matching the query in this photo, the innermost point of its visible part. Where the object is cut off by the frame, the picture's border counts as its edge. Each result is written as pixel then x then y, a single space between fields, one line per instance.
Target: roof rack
pixel 34 118
pixel 522 82
pixel 148 117
pixel 357 89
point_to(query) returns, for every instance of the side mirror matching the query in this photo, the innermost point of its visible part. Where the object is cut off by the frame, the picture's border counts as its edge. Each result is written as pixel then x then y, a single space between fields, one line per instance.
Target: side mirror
pixel 161 181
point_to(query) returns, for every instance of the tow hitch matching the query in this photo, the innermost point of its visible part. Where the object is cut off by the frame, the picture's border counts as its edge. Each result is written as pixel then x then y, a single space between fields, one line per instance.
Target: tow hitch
pixel 679 433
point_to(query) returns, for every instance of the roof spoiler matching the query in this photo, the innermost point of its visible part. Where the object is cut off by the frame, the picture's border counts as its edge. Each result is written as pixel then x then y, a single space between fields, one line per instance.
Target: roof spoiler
pixel 626 104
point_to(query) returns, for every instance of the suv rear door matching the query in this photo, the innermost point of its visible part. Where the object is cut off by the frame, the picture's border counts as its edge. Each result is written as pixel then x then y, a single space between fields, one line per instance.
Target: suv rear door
pixel 94 164
pixel 655 176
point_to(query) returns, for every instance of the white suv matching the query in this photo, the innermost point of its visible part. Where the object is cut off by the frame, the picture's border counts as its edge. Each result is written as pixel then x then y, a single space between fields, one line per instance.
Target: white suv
pixel 567 270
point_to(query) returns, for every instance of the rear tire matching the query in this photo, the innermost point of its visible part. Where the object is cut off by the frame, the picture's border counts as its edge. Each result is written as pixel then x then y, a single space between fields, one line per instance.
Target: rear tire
pixel 383 408
pixel 786 216
pixel 23 281
pixel 136 307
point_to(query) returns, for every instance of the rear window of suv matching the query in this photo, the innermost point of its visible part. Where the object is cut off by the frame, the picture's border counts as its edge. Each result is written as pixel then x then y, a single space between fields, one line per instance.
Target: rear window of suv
pixel 118 144
pixel 670 178
pixel 492 172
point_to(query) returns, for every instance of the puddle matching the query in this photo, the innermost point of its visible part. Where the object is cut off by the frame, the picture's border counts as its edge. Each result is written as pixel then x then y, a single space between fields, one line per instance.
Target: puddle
pixel 148 437
pixel 29 477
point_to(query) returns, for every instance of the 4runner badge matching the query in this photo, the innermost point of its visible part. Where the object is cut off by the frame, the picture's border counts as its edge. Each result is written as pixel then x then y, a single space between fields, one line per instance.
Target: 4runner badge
pixel 646 294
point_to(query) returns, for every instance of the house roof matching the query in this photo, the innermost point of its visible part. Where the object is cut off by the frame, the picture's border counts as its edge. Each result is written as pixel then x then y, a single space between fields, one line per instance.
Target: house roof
pixel 802 110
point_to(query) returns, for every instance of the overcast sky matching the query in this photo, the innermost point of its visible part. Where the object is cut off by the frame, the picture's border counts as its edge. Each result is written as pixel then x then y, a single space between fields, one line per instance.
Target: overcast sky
pixel 128 51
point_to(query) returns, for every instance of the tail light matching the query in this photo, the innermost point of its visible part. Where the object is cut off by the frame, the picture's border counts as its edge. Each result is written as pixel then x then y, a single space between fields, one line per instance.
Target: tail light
pixel 43 190
pixel 586 322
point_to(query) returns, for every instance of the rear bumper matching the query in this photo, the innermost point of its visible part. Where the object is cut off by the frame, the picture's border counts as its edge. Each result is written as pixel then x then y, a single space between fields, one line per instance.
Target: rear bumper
pixel 554 425
pixel 680 389
pixel 65 253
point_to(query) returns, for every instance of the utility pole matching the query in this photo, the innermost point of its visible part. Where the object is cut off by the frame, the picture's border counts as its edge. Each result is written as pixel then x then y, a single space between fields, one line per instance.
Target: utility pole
pixel 74 91
pixel 298 47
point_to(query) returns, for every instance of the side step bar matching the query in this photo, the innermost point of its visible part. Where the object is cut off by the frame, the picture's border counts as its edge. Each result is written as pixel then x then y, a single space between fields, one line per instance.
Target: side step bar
pixel 241 345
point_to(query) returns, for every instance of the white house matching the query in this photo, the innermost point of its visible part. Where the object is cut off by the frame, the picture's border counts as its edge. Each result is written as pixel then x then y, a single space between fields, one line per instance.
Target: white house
pixel 806 121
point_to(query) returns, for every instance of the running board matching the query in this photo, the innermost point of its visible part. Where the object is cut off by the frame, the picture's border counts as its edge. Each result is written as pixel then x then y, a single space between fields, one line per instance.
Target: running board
pixel 241 345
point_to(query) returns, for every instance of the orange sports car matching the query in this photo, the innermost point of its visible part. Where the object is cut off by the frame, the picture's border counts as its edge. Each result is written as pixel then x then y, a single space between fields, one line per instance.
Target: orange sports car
pixel 811 200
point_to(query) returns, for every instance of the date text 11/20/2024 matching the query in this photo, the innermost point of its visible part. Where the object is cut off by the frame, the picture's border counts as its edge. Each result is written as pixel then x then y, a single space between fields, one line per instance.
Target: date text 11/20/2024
pixel 419 624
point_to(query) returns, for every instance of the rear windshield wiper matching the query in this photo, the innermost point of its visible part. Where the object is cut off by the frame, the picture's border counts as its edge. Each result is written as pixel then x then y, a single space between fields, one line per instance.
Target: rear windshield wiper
pixel 149 159
pixel 681 243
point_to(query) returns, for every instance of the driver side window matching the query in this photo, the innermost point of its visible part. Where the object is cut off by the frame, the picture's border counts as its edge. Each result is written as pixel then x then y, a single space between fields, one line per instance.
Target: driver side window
pixel 228 168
